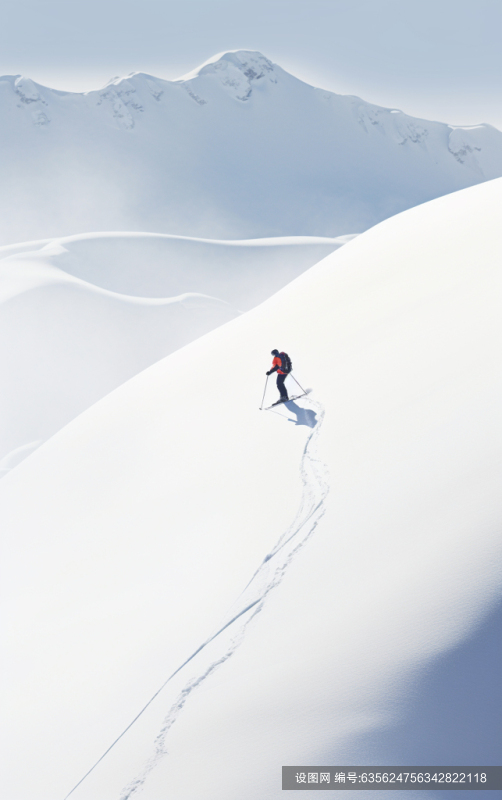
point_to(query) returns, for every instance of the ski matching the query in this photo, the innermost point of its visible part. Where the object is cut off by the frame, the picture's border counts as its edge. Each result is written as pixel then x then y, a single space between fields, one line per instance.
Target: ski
pixel 289 400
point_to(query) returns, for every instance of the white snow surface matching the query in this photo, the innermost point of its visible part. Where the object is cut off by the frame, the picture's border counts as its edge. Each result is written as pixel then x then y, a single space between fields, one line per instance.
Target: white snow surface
pixel 360 527
pixel 81 315
pixel 238 148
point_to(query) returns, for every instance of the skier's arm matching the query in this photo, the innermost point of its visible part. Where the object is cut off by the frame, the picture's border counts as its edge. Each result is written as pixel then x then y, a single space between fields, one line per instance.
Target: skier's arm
pixel 276 364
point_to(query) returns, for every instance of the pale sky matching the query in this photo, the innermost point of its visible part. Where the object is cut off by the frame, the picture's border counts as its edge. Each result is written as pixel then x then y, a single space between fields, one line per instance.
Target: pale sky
pixel 437 59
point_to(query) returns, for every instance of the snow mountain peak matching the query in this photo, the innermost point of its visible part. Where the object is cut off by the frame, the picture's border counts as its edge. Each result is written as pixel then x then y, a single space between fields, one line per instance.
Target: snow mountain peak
pixel 237 71
pixel 251 63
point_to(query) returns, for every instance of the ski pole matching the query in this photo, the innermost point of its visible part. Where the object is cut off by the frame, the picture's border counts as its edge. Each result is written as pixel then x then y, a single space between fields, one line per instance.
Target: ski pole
pixel 263 398
pixel 301 387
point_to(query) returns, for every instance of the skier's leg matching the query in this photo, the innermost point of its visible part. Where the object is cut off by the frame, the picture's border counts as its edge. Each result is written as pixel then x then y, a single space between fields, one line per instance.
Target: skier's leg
pixel 282 389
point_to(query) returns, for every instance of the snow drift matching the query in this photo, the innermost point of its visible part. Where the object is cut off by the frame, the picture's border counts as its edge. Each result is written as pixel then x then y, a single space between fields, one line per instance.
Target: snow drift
pixel 73 327
pixel 373 536
pixel 237 149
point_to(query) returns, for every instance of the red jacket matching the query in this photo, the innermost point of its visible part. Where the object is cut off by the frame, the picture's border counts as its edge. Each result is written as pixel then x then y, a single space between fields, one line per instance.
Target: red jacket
pixel 277 362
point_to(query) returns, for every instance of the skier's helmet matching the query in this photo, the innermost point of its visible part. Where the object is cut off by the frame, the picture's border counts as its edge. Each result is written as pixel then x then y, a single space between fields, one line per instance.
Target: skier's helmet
pixel 274 353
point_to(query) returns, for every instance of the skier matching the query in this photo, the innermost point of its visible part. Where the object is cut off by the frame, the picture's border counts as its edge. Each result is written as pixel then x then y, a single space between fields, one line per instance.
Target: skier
pixel 281 360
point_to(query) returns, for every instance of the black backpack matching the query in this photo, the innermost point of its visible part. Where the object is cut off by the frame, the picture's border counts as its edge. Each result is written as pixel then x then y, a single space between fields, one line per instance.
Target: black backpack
pixel 286 363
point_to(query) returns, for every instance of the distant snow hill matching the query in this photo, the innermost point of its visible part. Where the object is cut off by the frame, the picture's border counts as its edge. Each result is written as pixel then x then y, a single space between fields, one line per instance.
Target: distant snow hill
pixel 133 535
pixel 79 316
pixel 238 149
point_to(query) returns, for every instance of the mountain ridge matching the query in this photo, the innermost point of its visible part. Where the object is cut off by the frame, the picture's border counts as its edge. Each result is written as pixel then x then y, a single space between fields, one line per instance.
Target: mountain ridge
pixel 236 149
pixel 224 66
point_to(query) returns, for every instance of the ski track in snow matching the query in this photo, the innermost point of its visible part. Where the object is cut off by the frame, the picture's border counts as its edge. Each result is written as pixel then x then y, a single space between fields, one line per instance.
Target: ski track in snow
pixel 268 576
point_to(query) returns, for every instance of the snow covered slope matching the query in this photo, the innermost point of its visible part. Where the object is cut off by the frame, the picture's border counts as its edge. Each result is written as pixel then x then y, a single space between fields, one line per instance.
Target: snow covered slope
pixel 78 316
pixel 366 549
pixel 242 272
pixel 237 149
